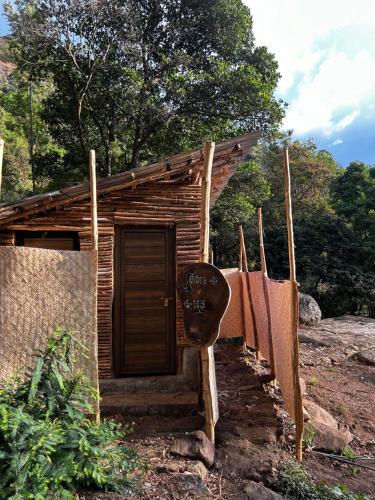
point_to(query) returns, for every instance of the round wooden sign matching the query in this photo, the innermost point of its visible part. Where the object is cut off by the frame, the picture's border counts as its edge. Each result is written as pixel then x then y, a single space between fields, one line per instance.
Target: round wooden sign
pixel 204 293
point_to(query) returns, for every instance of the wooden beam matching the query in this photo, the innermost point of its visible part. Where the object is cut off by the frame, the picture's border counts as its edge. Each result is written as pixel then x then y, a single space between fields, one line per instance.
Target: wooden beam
pixel 298 408
pixel 207 358
pixel 1 163
pixel 40 227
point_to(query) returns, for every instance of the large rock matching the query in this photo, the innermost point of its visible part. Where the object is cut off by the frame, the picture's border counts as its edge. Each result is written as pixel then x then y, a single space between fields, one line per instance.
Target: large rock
pixel 327 435
pixel 193 467
pixel 189 485
pixel 257 491
pixel 195 445
pixel 309 311
pixel 367 357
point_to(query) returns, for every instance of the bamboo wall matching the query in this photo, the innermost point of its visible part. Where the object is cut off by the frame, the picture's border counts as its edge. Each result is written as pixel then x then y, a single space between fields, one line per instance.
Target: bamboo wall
pixel 157 204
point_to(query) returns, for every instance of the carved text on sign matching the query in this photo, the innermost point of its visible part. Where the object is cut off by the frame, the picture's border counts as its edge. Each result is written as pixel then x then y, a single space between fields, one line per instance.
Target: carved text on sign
pixel 193 279
pixel 196 305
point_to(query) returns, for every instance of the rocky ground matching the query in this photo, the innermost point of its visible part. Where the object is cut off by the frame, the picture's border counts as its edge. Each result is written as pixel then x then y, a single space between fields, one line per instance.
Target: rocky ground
pixel 338 366
pixel 254 436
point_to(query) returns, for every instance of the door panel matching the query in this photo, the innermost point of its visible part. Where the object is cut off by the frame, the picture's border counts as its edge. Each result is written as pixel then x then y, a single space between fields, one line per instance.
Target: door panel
pixel 145 305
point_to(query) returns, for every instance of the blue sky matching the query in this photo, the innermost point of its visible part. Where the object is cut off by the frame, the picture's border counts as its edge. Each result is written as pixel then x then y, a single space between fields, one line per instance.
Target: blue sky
pixel 3 24
pixel 326 55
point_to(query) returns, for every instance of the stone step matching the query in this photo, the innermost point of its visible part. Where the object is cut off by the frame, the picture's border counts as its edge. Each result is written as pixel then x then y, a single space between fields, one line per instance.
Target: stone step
pixel 146 403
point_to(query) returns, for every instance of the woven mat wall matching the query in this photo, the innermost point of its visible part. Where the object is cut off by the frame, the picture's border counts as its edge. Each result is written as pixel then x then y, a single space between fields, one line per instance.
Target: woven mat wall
pixel 260 313
pixel 232 322
pixel 281 311
pixel 39 290
pixel 280 321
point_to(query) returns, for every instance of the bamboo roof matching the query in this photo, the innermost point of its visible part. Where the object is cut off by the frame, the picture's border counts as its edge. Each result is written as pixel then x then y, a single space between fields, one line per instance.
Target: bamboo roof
pixel 228 154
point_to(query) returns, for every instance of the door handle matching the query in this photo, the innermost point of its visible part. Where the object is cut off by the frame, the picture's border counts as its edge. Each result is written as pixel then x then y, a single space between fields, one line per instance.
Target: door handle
pixel 166 301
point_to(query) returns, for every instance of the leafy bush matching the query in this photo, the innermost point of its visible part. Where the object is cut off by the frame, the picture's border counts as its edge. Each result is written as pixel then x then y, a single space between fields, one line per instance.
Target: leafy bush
pixel 48 446
pixel 296 484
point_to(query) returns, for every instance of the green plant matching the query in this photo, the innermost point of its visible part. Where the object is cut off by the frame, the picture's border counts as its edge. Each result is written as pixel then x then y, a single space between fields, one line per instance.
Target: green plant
pixel 314 380
pixel 308 436
pixel 295 484
pixel 348 453
pixel 49 448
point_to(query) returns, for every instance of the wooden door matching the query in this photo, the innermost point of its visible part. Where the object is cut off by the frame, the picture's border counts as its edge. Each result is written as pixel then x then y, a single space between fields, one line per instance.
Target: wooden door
pixel 145 301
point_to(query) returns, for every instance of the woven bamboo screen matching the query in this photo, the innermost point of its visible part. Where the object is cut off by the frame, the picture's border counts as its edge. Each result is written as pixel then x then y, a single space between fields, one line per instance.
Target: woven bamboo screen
pixel 39 290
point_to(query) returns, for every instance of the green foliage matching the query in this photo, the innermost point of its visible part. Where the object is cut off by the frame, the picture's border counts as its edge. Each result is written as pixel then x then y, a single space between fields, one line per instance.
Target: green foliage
pixel 246 190
pixel 334 223
pixel 308 436
pixel 295 484
pixel 18 175
pixel 49 448
pixel 313 380
pixel 348 453
pixel 137 80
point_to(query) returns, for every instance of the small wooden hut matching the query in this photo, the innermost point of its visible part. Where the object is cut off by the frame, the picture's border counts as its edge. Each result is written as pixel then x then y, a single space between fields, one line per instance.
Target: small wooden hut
pixel 149 227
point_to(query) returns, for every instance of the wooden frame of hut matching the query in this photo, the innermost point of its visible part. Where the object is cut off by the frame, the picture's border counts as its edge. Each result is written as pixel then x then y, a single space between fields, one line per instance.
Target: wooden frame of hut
pixel 149 223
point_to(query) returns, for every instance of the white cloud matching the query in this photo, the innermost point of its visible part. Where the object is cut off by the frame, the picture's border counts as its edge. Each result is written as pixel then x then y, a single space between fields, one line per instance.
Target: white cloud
pixel 337 142
pixel 326 84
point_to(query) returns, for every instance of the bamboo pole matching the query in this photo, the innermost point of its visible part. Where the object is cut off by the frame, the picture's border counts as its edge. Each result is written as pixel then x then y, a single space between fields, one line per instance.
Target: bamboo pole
pixel 1 163
pixel 94 206
pixel 261 243
pixel 242 260
pixel 206 191
pixel 298 409
pixel 207 359
pixel 94 246
pixel 256 340
pixel 265 289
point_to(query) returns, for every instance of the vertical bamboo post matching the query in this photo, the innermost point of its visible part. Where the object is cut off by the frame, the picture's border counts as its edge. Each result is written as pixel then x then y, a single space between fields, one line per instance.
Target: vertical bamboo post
pixel 1 163
pixel 94 207
pixel 265 289
pixel 242 260
pixel 207 360
pixel 261 243
pixel 94 246
pixel 206 191
pixel 298 409
pixel 243 253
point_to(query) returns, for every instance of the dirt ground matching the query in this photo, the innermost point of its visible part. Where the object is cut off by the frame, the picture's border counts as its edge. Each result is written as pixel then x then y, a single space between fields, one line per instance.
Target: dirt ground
pixel 254 436
pixel 338 382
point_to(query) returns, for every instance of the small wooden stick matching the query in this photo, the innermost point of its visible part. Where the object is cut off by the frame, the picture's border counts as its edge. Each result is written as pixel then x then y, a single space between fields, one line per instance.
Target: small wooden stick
pixel 1 163
pixel 298 408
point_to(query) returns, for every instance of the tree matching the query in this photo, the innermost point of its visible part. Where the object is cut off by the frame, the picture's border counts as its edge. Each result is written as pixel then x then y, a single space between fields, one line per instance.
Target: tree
pixel 246 190
pixel 140 79
pixel 15 130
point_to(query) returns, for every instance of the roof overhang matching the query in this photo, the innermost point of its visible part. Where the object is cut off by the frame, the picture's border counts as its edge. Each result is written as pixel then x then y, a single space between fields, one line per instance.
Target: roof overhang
pixel 228 154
